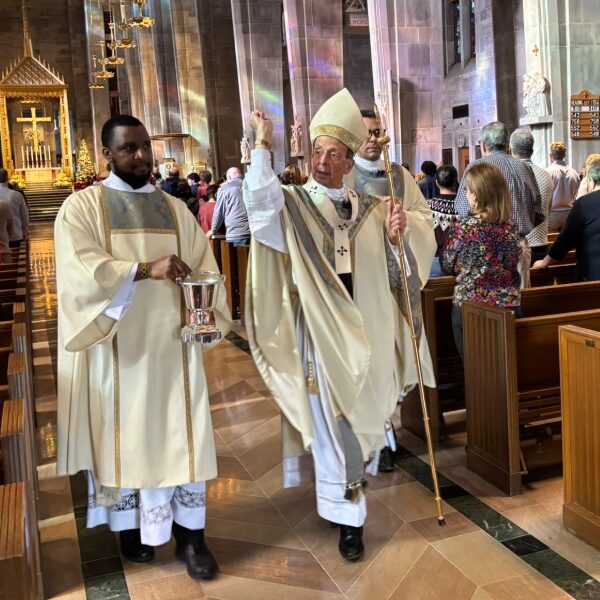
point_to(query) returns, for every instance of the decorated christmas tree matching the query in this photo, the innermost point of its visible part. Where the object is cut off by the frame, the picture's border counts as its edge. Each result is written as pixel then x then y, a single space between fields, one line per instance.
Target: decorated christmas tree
pixel 85 167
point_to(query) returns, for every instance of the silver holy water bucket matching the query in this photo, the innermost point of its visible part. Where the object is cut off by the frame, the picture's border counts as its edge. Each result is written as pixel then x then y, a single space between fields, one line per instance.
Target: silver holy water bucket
pixel 201 290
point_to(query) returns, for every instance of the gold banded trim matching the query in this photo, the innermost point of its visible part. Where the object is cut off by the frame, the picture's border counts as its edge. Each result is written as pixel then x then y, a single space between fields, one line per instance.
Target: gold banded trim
pixel 186 366
pixel 142 230
pixel 337 132
pixel 117 411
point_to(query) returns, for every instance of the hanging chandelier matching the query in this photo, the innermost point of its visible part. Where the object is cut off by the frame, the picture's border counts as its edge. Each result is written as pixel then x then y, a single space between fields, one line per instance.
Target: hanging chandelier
pixel 95 84
pixel 102 73
pixel 141 20
pixel 125 42
pixel 113 60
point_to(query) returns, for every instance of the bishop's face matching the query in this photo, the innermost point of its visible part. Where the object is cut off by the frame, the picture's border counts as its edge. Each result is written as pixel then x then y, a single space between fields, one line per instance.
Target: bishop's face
pixel 130 155
pixel 371 149
pixel 330 162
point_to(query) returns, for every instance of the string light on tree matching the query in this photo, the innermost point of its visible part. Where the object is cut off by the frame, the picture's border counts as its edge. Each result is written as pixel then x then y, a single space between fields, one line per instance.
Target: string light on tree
pixel 85 167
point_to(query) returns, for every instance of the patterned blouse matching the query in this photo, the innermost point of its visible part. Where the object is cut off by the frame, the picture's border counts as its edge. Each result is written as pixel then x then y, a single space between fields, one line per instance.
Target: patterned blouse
pixel 484 257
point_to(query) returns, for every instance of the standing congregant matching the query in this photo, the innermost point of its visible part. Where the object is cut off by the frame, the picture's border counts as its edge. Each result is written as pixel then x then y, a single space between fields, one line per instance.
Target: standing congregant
pixel 132 397
pixel 326 313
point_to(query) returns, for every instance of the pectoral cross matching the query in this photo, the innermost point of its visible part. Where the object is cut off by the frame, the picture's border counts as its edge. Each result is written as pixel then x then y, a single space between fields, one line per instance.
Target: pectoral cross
pixel 34 120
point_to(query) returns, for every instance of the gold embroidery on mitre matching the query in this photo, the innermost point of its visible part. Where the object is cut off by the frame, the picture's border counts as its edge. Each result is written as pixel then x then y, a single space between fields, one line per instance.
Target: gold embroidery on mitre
pixel 339 133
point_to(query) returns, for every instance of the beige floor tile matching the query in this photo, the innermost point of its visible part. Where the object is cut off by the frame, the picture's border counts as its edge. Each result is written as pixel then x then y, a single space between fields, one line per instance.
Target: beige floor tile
pixel 295 503
pixel 410 501
pixel 258 384
pixel 78 594
pixel 217 385
pixel 481 594
pixel 248 509
pixel 164 565
pixel 61 560
pixel 263 457
pixel 272 481
pixel 256 436
pixel 221 447
pixel 545 523
pixel 288 566
pixel 173 587
pixel 433 577
pixel 256 533
pixel 232 394
pixel 222 488
pixel 384 480
pixel 230 467
pixel 312 530
pixel 390 566
pixel 229 587
pixel 245 415
pixel 54 497
pixel 456 524
pixel 531 587
pixel 380 528
pixel 481 558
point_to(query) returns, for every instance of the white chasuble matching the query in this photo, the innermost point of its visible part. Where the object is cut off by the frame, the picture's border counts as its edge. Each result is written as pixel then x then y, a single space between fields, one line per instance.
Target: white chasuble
pixel 132 398
pixel 358 341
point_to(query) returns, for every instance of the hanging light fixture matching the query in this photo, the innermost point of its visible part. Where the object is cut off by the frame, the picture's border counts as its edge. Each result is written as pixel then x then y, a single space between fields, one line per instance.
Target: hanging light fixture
pixel 103 73
pixel 125 42
pixel 95 84
pixel 140 20
pixel 113 60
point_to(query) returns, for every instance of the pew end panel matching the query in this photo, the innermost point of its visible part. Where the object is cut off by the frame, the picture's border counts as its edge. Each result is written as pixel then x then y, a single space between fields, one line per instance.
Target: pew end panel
pixel 493 449
pixel 580 382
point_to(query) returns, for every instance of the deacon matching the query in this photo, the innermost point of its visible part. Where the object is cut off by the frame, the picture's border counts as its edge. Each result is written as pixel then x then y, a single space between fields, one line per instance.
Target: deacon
pixel 324 313
pixel 369 177
pixel 133 405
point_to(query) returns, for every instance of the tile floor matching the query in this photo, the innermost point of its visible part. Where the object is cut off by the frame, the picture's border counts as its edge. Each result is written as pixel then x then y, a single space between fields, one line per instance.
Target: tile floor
pixel 269 542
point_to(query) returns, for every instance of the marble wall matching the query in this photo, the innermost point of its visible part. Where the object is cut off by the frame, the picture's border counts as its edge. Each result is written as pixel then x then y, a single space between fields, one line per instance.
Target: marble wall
pixel 358 67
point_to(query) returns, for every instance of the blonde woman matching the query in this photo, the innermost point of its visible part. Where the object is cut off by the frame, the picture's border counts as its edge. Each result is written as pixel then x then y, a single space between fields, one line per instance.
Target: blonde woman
pixel 483 248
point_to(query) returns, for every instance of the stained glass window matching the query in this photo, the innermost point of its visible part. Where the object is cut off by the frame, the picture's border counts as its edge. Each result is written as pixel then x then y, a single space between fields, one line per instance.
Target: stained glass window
pixel 455 8
pixel 472 28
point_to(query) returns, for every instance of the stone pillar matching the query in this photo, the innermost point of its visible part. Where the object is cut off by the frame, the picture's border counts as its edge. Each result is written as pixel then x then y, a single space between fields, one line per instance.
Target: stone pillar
pixel 258 37
pixel 315 44
pixel 407 55
pixel 567 37
pixel 190 81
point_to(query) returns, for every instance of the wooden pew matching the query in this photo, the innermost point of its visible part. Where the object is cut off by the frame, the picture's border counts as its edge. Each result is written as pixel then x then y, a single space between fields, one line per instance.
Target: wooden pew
pixel 436 302
pixel 580 382
pixel 512 386
pixel 229 269
pixel 15 554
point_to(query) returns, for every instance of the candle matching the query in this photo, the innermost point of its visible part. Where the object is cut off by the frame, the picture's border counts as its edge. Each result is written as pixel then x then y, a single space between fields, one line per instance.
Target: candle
pixel 23 156
pixel 123 16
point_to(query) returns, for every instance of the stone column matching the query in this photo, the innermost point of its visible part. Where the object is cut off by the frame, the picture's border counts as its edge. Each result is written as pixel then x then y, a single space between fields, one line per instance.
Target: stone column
pixel 408 70
pixel 315 43
pixel 257 27
pixel 567 36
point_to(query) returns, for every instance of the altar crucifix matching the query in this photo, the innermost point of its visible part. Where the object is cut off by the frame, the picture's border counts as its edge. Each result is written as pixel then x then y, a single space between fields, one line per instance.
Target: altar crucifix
pixel 34 120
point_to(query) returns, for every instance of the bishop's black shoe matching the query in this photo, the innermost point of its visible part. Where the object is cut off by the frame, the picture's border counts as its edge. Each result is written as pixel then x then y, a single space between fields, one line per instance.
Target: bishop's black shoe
pixel 386 460
pixel 192 550
pixel 351 545
pixel 133 549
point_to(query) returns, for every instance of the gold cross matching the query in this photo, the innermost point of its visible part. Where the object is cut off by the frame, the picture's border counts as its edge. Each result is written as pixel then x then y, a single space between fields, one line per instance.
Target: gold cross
pixel 34 120
pixel 536 50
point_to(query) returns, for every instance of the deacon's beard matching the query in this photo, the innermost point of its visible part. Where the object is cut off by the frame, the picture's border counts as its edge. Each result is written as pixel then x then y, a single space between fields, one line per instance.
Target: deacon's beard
pixel 135 181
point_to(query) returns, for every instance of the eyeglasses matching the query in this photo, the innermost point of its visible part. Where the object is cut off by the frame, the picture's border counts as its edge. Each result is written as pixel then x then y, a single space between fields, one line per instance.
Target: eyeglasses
pixel 375 132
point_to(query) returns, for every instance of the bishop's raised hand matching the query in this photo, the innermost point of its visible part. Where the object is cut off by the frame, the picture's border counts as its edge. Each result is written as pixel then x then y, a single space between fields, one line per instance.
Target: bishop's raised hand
pixel 262 125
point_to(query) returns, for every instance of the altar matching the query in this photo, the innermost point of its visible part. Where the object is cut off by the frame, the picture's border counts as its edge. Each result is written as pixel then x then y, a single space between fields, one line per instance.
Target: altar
pixel 35 130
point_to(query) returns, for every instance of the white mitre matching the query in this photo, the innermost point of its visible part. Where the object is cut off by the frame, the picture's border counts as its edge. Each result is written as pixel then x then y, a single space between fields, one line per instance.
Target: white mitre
pixel 340 118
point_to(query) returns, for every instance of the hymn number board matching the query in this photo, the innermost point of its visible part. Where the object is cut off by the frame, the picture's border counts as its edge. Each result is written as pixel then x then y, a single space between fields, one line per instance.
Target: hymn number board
pixel 585 116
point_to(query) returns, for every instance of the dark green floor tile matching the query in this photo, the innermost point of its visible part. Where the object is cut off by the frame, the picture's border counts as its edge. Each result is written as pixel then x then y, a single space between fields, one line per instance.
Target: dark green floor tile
pixel 487 518
pixel 79 491
pixel 108 587
pixel 522 546
pixel 565 575
pixel 103 566
pixel 96 543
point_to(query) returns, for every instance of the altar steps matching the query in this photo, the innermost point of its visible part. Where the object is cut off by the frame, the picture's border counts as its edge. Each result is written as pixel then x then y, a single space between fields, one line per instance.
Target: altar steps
pixel 44 200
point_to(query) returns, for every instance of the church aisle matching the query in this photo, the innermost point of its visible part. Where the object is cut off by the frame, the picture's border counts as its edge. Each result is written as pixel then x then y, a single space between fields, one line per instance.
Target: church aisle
pixel 269 542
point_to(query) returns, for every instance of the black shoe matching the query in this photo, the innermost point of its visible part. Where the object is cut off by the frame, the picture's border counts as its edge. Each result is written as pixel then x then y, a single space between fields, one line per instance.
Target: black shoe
pixel 386 460
pixel 133 549
pixel 192 550
pixel 351 545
